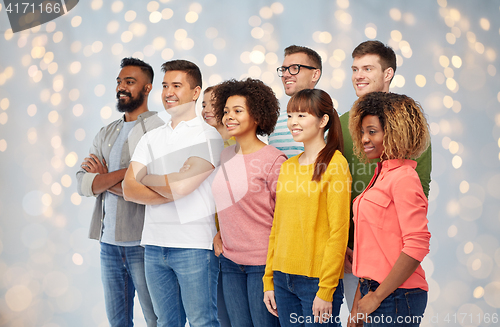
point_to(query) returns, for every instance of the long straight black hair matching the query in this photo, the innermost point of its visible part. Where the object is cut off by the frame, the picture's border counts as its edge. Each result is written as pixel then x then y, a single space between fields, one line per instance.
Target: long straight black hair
pixel 318 103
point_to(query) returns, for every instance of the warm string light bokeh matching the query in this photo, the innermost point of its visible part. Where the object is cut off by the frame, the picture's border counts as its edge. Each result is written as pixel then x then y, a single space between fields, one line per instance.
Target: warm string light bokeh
pixel 57 89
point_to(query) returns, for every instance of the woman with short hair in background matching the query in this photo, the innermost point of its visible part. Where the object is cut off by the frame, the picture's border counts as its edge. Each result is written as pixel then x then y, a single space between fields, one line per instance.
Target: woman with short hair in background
pixel 208 115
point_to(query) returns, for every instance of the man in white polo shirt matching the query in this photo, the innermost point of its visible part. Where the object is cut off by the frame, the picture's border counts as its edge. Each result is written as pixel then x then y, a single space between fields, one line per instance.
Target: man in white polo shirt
pixel 179 227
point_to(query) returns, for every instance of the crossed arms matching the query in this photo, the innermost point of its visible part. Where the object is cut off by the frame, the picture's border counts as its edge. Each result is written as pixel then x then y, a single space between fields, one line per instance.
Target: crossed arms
pixel 103 181
pixel 143 188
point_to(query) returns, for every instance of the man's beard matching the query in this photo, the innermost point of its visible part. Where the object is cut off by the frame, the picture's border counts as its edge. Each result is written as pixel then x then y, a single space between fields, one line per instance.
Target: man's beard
pixel 133 103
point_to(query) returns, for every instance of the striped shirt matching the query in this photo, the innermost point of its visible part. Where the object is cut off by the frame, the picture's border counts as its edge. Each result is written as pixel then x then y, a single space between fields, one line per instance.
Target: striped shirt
pixel 282 139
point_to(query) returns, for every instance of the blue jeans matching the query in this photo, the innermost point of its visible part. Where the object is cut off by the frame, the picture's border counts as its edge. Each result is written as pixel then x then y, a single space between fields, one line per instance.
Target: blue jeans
pixel 243 293
pixel 122 273
pixel 183 282
pixel 221 304
pixel 404 307
pixel 294 299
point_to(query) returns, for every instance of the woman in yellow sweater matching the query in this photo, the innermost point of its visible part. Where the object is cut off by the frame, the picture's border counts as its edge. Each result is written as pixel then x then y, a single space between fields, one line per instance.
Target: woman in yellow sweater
pixel 305 260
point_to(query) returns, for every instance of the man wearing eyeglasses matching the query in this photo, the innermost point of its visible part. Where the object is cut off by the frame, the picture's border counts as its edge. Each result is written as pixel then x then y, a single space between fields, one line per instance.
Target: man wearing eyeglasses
pixel 301 70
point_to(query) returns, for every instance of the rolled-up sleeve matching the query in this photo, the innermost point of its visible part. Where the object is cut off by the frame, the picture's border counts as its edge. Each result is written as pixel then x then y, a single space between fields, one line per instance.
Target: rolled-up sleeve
pixel 84 179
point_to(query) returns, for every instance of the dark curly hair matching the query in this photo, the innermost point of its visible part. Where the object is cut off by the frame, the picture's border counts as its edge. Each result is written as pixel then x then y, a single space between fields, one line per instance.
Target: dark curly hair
pixel 262 104
pixel 406 132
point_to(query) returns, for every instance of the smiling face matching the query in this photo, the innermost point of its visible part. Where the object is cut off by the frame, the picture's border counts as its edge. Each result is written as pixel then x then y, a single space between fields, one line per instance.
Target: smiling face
pixel 132 86
pixel 372 137
pixel 368 75
pixel 306 127
pixel 208 109
pixel 305 79
pixel 237 119
pixel 177 90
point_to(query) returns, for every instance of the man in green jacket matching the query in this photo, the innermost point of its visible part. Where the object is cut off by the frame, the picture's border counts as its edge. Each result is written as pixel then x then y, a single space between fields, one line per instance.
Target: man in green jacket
pixel 373 67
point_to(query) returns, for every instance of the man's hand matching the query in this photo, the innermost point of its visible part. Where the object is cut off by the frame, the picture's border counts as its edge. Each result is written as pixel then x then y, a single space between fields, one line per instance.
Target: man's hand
pixel 348 261
pixel 218 244
pixel 322 310
pixel 103 181
pixel 177 185
pixel 270 302
pixel 92 164
pixel 135 191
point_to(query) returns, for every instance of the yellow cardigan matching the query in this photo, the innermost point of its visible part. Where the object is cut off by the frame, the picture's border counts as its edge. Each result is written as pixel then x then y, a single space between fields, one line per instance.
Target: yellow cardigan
pixel 311 224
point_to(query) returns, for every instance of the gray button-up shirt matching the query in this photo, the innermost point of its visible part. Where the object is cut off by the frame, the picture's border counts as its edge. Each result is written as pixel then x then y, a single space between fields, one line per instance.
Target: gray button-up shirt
pixel 129 215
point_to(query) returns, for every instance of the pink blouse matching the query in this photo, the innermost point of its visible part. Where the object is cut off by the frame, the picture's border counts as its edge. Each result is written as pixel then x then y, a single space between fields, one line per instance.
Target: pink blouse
pixel 390 218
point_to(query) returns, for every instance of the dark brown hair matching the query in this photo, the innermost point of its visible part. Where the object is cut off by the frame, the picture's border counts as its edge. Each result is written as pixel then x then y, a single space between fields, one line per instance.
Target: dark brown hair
pixel 318 103
pixel 191 69
pixel 262 104
pixel 311 54
pixel 385 53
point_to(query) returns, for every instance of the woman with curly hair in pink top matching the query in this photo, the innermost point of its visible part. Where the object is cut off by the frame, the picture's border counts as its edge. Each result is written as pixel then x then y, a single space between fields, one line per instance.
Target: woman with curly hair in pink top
pixel 244 189
pixel 391 236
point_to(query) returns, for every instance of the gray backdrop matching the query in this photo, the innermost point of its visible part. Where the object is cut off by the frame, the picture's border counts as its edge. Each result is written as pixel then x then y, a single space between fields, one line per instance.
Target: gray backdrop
pixel 57 89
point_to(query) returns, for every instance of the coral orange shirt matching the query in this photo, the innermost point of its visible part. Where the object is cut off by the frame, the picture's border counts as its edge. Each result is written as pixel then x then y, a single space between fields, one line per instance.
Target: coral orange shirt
pixel 390 217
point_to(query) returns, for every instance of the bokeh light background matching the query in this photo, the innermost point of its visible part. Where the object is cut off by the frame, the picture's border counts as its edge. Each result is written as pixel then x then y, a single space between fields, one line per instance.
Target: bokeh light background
pixel 57 89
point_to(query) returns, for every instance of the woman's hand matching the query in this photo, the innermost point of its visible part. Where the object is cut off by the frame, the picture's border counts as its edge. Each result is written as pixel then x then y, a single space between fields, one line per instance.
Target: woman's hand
pixel 270 302
pixel 322 310
pixel 369 303
pixel 218 244
pixel 401 271
pixel 353 321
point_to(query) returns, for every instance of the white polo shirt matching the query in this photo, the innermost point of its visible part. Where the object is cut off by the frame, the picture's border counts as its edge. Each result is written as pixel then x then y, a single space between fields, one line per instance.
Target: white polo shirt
pixel 188 222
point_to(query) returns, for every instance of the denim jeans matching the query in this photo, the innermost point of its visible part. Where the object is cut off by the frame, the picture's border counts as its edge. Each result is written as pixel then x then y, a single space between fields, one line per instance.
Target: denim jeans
pixel 183 282
pixel 221 304
pixel 294 299
pixel 243 294
pixel 122 273
pixel 404 307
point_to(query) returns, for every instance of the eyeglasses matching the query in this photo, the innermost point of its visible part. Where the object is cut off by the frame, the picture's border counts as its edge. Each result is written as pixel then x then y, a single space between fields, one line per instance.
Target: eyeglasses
pixel 292 69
